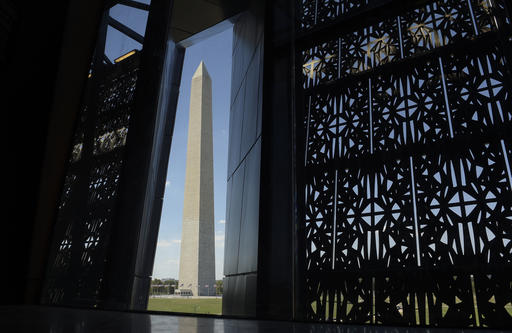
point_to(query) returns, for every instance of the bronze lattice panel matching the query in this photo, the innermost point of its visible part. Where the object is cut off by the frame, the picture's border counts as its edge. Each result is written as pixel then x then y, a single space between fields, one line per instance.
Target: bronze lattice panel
pixel 407 186
pixel 86 211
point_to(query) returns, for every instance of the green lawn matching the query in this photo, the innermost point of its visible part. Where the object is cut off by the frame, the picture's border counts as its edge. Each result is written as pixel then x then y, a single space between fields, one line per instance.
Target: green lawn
pixel 189 305
pixel 214 305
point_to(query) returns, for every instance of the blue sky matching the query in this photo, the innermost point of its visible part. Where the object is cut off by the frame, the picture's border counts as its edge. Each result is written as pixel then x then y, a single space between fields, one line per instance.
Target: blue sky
pixel 216 52
pixel 117 43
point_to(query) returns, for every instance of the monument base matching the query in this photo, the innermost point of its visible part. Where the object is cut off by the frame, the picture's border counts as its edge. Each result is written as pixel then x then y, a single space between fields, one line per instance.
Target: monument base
pixel 183 292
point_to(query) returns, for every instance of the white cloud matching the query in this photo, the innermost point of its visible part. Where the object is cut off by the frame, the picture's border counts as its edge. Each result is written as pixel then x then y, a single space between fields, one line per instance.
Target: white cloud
pixel 166 243
pixel 221 221
pixel 163 243
pixel 167 183
pixel 219 240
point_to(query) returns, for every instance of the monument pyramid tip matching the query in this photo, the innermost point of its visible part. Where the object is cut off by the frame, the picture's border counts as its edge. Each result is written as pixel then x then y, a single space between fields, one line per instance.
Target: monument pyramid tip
pixel 201 70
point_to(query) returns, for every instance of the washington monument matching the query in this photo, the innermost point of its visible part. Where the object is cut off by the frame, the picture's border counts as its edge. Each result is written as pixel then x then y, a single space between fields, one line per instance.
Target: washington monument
pixel 197 258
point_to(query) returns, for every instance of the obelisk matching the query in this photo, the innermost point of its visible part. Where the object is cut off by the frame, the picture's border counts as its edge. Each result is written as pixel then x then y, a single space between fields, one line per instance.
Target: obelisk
pixel 197 257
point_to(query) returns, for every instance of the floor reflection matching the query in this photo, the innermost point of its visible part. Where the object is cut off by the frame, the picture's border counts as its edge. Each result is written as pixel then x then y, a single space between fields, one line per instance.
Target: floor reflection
pixel 21 319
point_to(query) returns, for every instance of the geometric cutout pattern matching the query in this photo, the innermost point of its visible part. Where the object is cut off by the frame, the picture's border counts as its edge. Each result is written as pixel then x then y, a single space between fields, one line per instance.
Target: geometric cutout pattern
pixel 464 207
pixel 320 63
pixel 442 19
pixel 337 125
pixel 89 197
pixel 414 32
pixel 374 224
pixel 319 221
pixel 438 23
pixel 407 186
pixel 87 212
pixel 408 107
pixel 370 47
pixel 478 87
pixel 490 15
pixel 314 12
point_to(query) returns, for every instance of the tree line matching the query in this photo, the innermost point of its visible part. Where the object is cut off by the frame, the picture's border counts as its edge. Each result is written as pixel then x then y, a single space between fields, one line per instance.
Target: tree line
pixel 168 286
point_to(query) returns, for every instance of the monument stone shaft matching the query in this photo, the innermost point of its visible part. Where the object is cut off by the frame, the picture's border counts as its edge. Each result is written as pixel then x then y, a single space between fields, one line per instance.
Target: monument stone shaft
pixel 197 258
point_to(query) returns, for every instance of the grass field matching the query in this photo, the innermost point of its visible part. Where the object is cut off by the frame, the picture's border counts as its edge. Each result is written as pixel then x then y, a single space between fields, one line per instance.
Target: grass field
pixel 214 306
pixel 189 305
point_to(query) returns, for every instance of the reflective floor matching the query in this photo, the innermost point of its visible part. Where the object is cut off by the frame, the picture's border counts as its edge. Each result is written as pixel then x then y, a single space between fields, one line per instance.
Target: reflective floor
pixel 57 320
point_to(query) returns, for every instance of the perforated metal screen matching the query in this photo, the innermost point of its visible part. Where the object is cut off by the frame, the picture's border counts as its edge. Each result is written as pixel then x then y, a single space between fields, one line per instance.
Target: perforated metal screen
pixel 406 207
